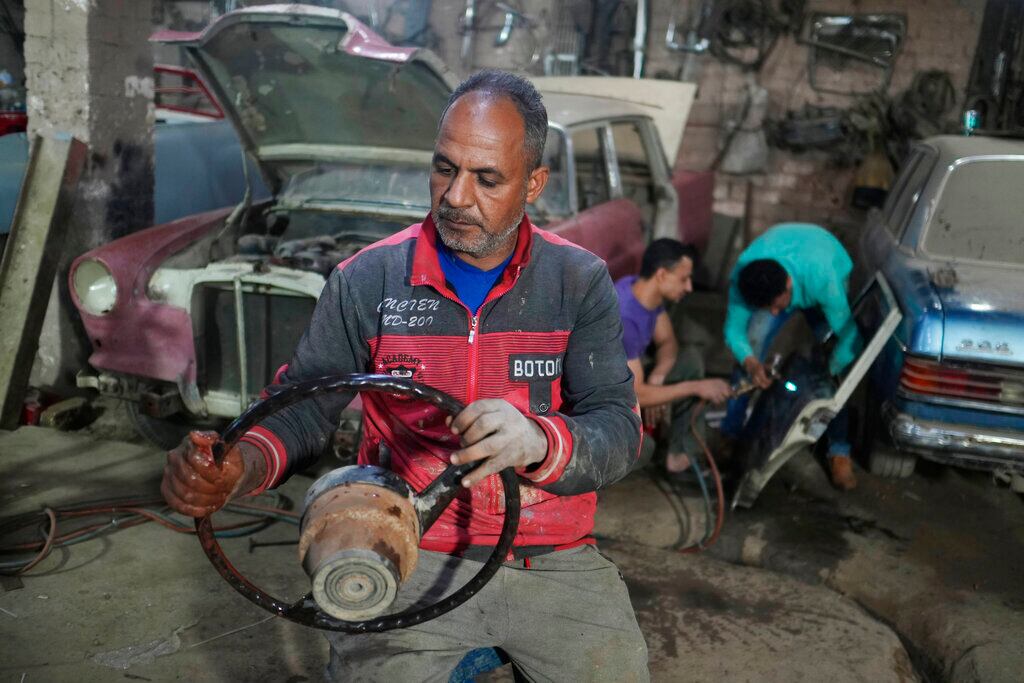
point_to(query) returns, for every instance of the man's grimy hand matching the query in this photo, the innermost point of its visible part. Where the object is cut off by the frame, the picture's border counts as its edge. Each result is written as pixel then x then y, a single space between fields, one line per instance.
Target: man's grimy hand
pixel 494 431
pixel 195 486
pixel 757 372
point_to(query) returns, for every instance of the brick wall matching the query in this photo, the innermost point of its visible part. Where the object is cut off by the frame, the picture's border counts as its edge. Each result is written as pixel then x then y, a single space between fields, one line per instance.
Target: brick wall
pixel 805 187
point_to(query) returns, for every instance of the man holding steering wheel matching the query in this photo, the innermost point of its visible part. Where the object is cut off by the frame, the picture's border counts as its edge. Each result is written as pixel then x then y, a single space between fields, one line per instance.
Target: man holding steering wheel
pixel 524 328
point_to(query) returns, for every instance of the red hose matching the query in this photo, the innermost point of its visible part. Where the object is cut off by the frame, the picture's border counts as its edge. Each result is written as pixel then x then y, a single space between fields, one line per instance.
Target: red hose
pixel 720 512
pixel 46 546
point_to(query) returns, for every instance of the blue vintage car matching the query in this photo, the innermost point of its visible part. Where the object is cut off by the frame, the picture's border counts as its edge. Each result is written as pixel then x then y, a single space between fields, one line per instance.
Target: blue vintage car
pixel 949 384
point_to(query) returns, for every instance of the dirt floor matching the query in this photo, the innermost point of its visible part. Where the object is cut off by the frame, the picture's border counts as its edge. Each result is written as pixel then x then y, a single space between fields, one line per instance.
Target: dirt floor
pixel 938 557
pixel 899 581
pixel 905 581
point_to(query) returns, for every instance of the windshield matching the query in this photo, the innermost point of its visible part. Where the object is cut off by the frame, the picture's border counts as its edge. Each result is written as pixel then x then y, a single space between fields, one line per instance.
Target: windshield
pixel 980 214
pixel 297 85
pixel 314 225
pixel 398 186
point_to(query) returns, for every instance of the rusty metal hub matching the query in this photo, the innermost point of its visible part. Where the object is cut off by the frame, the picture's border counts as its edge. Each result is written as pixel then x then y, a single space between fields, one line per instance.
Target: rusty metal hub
pixel 358 541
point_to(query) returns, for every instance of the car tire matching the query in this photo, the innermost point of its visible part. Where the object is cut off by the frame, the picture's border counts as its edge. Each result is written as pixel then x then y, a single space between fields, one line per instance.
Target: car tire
pixel 164 433
pixel 891 464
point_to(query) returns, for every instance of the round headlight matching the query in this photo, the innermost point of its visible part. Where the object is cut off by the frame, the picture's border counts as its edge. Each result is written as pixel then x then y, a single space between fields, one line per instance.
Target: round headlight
pixel 95 287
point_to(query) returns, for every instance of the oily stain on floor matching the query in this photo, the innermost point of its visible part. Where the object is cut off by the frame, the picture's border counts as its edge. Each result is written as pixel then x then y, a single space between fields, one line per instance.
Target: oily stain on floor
pixel 688 612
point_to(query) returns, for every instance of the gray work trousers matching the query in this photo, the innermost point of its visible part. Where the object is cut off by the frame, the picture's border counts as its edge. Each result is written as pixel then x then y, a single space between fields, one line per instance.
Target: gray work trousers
pixel 566 618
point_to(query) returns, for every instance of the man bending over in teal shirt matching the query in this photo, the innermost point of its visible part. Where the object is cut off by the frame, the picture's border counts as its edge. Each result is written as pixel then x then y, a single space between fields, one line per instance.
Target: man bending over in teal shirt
pixel 792 267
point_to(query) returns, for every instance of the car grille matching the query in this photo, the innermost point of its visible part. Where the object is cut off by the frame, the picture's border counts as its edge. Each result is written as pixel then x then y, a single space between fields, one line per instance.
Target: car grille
pixel 973 382
pixel 273 325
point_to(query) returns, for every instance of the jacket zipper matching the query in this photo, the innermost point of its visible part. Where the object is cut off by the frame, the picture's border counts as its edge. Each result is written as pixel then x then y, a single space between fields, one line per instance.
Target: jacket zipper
pixel 473 354
pixel 489 487
pixel 471 388
pixel 473 323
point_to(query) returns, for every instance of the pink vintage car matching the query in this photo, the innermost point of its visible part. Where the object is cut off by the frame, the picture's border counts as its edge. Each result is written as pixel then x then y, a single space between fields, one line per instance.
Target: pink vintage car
pixel 191 319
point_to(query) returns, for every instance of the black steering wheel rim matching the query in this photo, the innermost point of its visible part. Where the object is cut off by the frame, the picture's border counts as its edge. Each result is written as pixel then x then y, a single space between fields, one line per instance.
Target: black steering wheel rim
pixel 305 611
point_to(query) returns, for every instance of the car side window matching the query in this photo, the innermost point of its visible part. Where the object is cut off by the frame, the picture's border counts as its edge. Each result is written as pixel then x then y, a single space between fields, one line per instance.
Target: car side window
pixel 554 202
pixel 912 182
pixel 588 151
pixel 635 169
pixel 897 198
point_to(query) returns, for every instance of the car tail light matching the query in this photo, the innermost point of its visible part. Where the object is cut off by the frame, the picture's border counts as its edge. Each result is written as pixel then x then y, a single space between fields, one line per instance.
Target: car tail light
pixel 956 381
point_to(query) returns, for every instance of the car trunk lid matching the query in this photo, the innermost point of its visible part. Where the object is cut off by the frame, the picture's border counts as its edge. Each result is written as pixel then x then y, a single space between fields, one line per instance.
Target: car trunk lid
pixel 307 85
pixel 983 314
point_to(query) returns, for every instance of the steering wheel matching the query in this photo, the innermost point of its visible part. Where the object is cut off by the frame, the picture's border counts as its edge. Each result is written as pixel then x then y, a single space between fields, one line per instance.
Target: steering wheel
pixel 435 497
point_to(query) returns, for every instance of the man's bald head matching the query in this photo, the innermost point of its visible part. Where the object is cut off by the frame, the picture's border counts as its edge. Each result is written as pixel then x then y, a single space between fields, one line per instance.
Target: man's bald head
pixel 523 95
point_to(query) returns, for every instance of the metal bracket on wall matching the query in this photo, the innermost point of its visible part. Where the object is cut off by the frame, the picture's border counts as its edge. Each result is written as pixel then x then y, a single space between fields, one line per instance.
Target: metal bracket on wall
pixel 30 260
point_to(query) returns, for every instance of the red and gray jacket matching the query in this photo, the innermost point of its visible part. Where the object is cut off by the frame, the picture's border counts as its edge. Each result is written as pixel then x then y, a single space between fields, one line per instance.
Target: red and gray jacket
pixel 547 339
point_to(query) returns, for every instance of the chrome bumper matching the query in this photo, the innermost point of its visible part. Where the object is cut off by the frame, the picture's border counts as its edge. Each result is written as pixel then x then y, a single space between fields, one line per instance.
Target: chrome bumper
pixel 961 445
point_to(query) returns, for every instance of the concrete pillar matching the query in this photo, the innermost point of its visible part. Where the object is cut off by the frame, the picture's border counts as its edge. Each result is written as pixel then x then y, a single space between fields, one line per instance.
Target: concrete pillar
pixel 89 73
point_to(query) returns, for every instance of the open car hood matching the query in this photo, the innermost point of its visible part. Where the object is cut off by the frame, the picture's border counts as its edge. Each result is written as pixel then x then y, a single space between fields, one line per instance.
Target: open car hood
pixel 307 85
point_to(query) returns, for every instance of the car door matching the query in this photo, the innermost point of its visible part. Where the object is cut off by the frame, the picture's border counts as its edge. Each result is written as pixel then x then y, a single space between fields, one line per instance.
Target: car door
pixel 602 220
pixel 644 176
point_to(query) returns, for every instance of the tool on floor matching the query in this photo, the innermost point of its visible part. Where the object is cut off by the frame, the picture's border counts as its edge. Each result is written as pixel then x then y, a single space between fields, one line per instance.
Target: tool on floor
pixel 361 524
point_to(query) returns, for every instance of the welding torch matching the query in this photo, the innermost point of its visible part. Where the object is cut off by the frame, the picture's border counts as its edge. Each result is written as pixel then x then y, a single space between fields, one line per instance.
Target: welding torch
pixel 746 385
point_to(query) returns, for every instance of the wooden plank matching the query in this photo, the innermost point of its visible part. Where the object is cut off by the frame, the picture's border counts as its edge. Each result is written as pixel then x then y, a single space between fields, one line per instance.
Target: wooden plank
pixel 34 249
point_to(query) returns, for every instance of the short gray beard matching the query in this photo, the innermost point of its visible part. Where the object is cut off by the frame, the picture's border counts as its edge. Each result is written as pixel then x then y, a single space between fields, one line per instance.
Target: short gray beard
pixel 486 245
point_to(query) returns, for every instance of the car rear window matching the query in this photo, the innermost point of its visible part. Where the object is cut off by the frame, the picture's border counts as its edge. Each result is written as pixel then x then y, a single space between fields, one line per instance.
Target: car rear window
pixel 980 213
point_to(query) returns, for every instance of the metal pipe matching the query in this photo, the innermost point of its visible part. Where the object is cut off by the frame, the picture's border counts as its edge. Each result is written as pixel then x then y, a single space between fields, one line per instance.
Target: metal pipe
pixel 640 38
pixel 467 28
pixel 243 356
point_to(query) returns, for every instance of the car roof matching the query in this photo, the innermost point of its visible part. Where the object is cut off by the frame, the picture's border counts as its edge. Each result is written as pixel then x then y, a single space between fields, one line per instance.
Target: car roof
pixel 571 110
pixel 953 147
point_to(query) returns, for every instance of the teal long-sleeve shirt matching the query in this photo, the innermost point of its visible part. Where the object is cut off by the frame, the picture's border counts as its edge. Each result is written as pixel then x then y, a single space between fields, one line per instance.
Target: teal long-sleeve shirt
pixel 820 270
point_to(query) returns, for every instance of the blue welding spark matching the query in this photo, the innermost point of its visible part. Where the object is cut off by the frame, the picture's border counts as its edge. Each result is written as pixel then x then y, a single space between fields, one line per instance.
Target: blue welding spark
pixel 790 386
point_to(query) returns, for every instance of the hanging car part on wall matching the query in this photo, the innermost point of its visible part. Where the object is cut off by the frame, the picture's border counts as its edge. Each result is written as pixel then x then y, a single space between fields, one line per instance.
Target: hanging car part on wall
pixel 848 48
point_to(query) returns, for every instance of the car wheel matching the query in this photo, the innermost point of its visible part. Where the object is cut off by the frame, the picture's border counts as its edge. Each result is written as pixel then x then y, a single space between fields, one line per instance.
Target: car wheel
pixel 891 464
pixel 163 432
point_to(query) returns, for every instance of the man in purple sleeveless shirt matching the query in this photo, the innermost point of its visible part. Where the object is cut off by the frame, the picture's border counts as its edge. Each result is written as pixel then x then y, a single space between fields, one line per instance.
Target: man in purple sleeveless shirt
pixel 675 381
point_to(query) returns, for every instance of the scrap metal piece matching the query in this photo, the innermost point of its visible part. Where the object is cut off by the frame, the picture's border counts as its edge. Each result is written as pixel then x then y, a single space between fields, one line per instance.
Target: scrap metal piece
pixel 31 258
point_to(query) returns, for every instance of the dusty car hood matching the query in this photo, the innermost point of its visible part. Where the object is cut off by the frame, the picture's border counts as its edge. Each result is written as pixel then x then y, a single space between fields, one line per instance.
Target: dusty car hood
pixel 983 313
pixel 307 85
